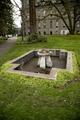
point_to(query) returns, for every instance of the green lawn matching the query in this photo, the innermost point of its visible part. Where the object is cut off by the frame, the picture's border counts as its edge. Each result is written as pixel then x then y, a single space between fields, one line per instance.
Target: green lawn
pixel 25 98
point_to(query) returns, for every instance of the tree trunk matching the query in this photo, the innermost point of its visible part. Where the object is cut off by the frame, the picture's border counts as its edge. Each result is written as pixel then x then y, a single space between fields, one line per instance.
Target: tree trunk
pixel 22 33
pixel 72 32
pixel 32 15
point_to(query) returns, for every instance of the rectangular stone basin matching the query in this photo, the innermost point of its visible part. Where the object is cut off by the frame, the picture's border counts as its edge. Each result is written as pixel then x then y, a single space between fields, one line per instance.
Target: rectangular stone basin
pixel 27 64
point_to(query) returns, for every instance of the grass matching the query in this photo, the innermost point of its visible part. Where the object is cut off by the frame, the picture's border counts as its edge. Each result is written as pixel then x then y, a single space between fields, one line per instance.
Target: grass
pixel 25 98
pixel 65 42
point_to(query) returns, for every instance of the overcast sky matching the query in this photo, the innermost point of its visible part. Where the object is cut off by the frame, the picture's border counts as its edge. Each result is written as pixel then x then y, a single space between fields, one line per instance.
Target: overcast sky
pixel 16 14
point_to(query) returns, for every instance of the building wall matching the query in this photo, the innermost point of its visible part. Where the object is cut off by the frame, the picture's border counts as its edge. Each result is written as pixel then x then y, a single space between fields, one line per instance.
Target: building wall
pixel 50 25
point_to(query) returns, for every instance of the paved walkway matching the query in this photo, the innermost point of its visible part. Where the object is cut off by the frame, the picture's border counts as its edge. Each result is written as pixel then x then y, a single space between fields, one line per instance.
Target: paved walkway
pixel 7 45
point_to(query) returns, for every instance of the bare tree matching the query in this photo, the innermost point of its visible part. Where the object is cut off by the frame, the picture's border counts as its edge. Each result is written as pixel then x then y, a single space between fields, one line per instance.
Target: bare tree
pixel 23 17
pixel 67 10
pixel 32 15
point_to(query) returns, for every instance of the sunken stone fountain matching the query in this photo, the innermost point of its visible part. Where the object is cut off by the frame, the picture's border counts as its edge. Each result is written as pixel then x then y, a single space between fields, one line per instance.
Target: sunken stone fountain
pixel 43 63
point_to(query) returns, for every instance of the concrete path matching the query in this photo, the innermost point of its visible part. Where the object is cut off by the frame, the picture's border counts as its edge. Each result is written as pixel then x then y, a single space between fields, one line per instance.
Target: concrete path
pixel 7 45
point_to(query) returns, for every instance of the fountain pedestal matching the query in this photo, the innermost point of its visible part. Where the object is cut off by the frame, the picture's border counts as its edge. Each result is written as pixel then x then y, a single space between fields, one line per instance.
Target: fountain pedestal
pixel 44 59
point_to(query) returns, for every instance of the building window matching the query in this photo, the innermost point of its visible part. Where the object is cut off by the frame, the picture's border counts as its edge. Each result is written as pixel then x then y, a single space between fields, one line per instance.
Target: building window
pixel 56 26
pixel 44 13
pixel 51 15
pixel 78 24
pixel 44 26
pixel 28 33
pixel 63 32
pixel 51 24
pixel 39 25
pixel 57 23
pixel 39 32
pixel 78 31
pixel 44 33
pixel 63 26
pixel 51 33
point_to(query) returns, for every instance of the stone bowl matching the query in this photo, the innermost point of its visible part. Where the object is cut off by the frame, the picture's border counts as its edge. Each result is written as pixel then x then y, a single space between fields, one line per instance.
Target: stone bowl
pixel 44 52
